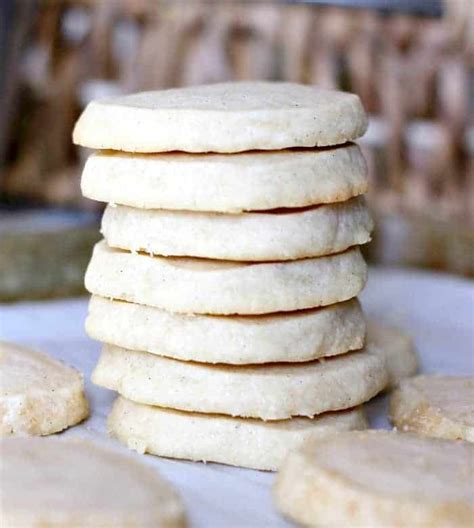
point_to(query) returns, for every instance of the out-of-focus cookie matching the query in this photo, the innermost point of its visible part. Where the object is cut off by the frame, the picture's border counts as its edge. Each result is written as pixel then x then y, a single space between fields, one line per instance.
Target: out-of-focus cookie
pixel 39 395
pixel 378 478
pixel 71 482
pixel 396 348
pixel 440 406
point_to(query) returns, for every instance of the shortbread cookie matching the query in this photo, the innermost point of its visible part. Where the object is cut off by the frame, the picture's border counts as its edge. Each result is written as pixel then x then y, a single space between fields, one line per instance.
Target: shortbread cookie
pixel 270 392
pixel 215 438
pixel 378 478
pixel 38 394
pixel 226 117
pixel 71 482
pixel 440 406
pixel 283 337
pixel 227 184
pixel 396 348
pixel 190 285
pixel 286 234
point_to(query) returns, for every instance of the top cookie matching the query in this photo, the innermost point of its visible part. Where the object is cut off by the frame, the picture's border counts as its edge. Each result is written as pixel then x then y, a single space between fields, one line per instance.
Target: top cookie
pixel 226 117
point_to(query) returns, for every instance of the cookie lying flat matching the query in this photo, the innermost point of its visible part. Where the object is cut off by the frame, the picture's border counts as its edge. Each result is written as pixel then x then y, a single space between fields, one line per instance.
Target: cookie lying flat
pixel 71 482
pixel 269 392
pixel 440 406
pixel 396 348
pixel 228 184
pixel 278 235
pixel 190 285
pixel 215 438
pixel 378 478
pixel 285 337
pixel 38 394
pixel 226 117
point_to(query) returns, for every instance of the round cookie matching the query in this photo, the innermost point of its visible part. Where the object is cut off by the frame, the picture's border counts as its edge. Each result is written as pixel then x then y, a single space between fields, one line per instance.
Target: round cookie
pixel 228 184
pixel 282 337
pixel 397 350
pixel 214 438
pixel 71 482
pixel 190 285
pixel 439 406
pixel 269 392
pixel 276 235
pixel 378 478
pixel 225 117
pixel 38 394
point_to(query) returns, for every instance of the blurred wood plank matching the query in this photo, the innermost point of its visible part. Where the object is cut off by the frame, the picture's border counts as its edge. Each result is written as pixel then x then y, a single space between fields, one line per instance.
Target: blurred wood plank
pixel 413 74
pixel 44 254
pixel 15 20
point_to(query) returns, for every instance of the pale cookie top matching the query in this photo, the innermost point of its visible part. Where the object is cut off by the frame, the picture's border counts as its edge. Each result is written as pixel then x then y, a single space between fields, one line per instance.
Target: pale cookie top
pixel 39 395
pixel 71 482
pixel 397 465
pixel 440 406
pixel 24 371
pixel 449 395
pixel 226 117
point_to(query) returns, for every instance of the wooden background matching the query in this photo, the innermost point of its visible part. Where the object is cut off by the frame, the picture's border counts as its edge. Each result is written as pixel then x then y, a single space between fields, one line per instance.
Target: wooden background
pixel 414 76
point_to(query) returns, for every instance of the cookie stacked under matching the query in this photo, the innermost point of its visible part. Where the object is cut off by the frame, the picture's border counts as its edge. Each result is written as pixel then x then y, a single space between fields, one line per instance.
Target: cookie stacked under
pixel 225 287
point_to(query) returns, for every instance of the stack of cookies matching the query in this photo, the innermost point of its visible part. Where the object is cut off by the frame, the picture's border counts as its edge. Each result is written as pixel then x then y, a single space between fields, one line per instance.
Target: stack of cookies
pixel 225 287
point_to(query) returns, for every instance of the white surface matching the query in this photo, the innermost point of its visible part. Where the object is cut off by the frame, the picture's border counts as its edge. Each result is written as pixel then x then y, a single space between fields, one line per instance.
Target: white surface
pixel 437 310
